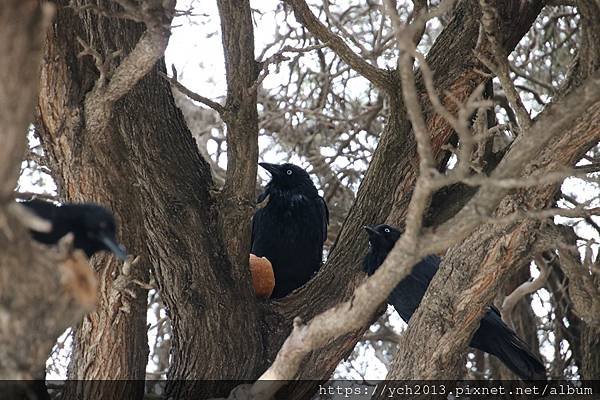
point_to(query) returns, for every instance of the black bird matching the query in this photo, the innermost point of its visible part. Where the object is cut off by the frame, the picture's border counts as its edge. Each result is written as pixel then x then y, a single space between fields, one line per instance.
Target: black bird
pixel 291 228
pixel 493 336
pixel 92 225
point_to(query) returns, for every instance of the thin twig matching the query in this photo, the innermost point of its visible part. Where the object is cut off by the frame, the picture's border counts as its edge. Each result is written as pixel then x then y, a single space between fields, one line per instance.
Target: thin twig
pixel 277 58
pixel 193 95
pixel 379 77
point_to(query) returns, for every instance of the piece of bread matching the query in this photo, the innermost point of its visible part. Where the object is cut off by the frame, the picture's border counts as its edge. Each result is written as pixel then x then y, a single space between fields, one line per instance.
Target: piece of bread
pixel 263 278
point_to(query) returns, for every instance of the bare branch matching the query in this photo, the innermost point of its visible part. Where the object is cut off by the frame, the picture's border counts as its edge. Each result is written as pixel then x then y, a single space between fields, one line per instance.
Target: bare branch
pixel 533 80
pixel 509 303
pixel 379 77
pixel 103 66
pixel 113 85
pixel 536 178
pixel 385 333
pixel 29 219
pixel 277 58
pixel 418 19
pixel 584 288
pixel 18 83
pixel 193 95
pixel 500 65
pixel 420 8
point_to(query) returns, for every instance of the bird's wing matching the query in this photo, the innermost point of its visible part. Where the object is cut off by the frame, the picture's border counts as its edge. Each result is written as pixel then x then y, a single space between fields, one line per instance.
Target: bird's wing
pixel 261 197
pixel 255 223
pixel 426 269
pixel 44 209
pixel 324 216
pixel 492 308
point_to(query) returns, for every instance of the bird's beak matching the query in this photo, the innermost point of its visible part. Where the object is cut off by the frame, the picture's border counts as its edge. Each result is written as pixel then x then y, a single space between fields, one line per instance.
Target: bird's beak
pixel 273 169
pixel 113 246
pixel 374 236
pixel 371 231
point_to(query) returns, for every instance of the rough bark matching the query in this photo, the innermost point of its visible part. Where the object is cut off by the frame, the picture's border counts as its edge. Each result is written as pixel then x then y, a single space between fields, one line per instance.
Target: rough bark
pixel 241 117
pixel 472 271
pixel 145 165
pixel 18 84
pixel 587 64
pixel 81 131
pixel 169 213
pixel 393 165
pixel 42 287
pixel 584 295
pixel 523 320
pixel 49 289
pixel 221 299
pixel 590 343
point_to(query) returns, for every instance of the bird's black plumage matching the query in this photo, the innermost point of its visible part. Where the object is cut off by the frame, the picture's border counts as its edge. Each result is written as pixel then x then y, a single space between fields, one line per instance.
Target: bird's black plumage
pixel 93 226
pixel 291 228
pixel 493 336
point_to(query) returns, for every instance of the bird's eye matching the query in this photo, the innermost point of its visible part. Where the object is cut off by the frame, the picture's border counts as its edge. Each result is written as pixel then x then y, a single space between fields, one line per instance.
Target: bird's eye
pixel 289 172
pixel 387 230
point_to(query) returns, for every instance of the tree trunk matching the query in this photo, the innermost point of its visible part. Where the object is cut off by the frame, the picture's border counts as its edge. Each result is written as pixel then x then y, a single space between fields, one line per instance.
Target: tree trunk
pixel 394 165
pixel 45 288
pixel 473 270
pixel 584 288
pixel 92 164
pixel 590 343
pixel 146 167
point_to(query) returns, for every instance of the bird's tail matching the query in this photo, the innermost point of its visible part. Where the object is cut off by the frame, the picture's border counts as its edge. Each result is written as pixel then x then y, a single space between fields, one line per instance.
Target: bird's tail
pixel 515 354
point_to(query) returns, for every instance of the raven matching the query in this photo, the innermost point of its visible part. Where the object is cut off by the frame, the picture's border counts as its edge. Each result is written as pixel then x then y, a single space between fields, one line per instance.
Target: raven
pixel 92 225
pixel 291 228
pixel 493 336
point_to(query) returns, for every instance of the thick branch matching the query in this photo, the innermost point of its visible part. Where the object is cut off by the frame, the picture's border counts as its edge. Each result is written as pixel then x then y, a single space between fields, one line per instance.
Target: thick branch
pixel 584 287
pixel 22 24
pixel 151 46
pixel 238 195
pixel 49 288
pixel 451 316
pixel 556 120
pixel 510 301
pixel 393 165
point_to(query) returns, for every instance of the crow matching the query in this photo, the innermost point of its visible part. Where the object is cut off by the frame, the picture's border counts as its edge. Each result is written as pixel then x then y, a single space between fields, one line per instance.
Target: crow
pixel 93 226
pixel 493 336
pixel 291 228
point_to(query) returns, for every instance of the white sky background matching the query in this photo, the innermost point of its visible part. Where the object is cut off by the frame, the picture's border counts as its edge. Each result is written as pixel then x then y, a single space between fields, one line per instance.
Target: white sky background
pixel 195 49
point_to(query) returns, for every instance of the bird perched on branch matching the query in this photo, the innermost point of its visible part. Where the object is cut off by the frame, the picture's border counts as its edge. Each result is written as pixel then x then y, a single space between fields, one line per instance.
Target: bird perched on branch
pixel 93 226
pixel 291 228
pixel 493 336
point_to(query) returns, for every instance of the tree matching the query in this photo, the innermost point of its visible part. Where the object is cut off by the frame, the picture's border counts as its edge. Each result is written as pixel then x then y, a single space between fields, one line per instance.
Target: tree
pixel 426 135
